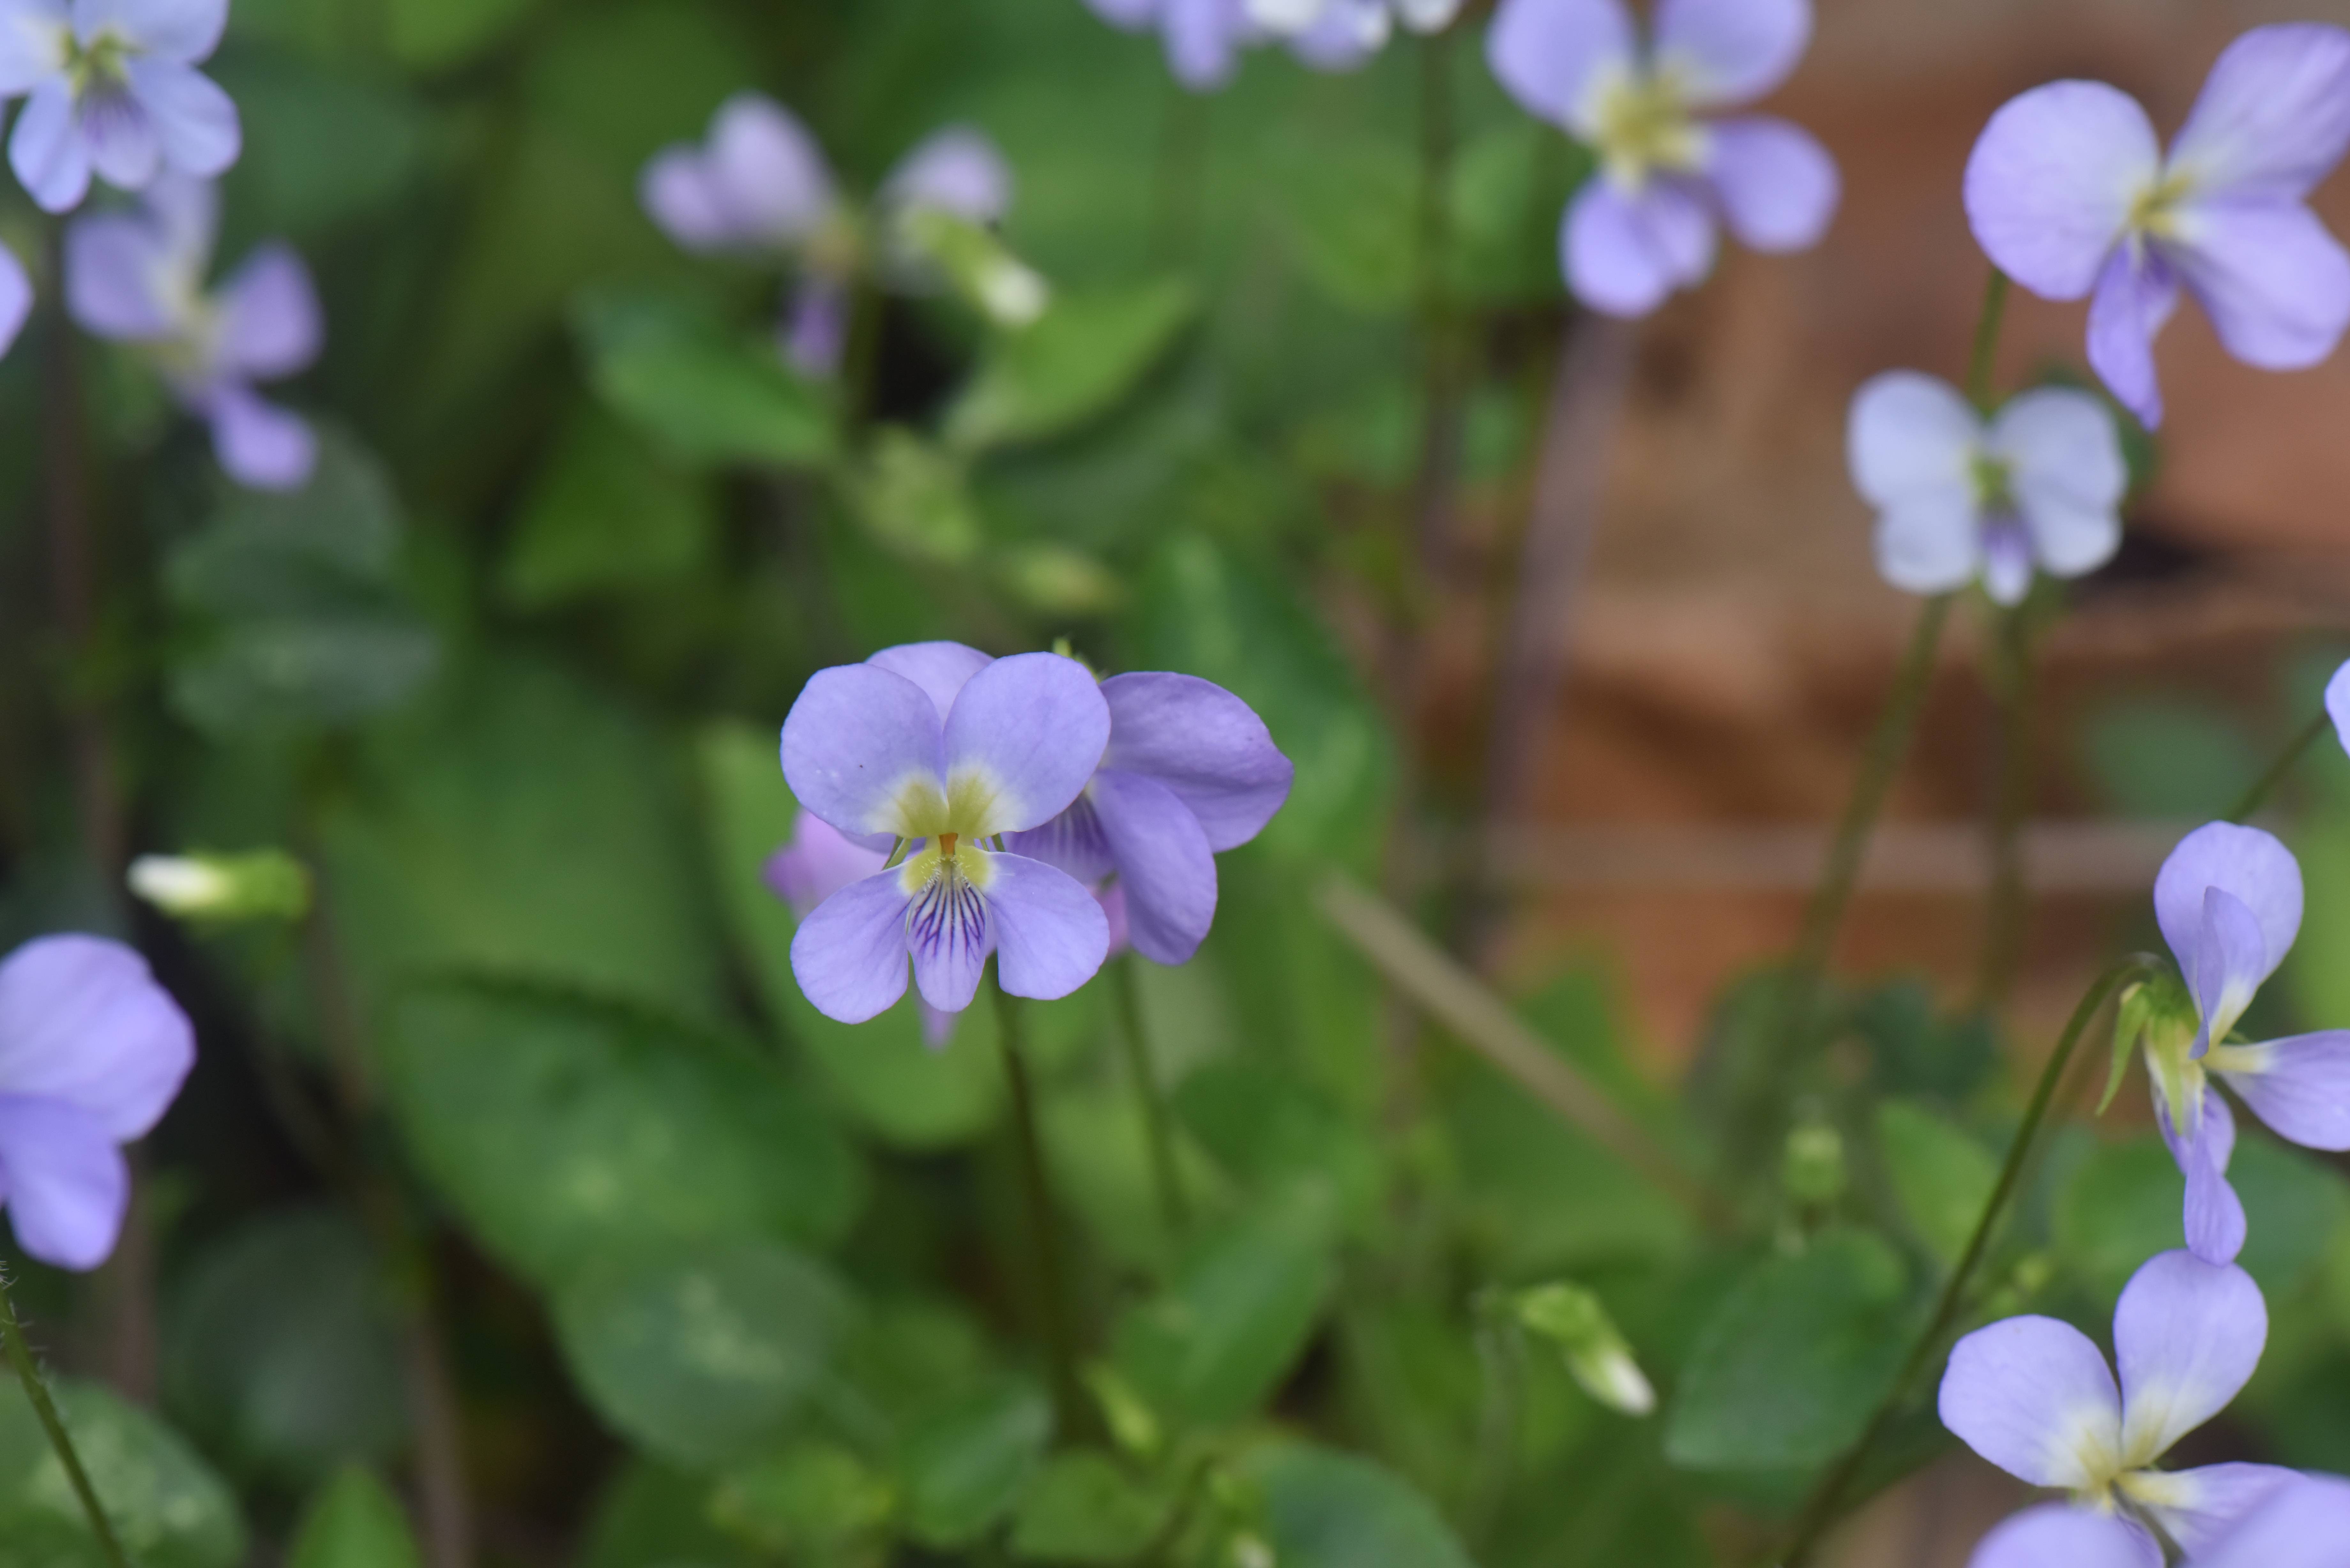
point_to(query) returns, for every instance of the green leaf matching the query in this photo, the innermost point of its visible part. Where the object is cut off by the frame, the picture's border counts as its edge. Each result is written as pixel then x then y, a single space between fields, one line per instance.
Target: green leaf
pixel 569 1133
pixel 433 34
pixel 1329 1510
pixel 168 1509
pixel 1074 364
pixel 605 514
pixel 1352 221
pixel 280 1349
pixel 1941 1174
pixel 2168 757
pixel 1083 1507
pixel 1271 1132
pixel 652 1516
pixel 1787 1370
pixel 320 149
pixel 704 396
pixel 354 1522
pixel 704 1358
pixel 1509 186
pixel 963 1470
pixel 814 1500
pixel 914 500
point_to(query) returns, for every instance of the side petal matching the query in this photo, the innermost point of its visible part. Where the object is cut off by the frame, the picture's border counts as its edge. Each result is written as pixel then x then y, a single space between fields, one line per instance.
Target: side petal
pixel 270 325
pixel 677 194
pixel 1929 543
pixel 1777 185
pixel 1908 433
pixel 1025 734
pixel 2066 471
pixel 939 668
pixel 1051 934
pixel 2050 182
pixel 2250 864
pixel 2033 1397
pixel 16 299
pixel 2058 1535
pixel 818 862
pixel 33 36
pixel 1202 743
pixel 47 150
pixel 2187 1335
pixel 767 170
pixel 2273 116
pixel 2196 1507
pixel 115 272
pixel 196 123
pixel 2301 1525
pixel 2135 297
pixel 259 444
pixel 1071 842
pixel 1548 53
pixel 2300 1085
pixel 83 1021
pixel 2276 284
pixel 1725 52
pixel 182 30
pixel 1624 253
pixel 1164 864
pixel 66 1184
pixel 849 956
pixel 958 171
pixel 860 748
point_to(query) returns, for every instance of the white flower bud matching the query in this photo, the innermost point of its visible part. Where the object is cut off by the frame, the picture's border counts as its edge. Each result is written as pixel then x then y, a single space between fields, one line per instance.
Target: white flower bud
pixel 1597 1354
pixel 181 884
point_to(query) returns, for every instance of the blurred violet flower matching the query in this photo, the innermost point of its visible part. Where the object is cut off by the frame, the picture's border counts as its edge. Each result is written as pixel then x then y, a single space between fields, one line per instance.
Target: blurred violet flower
pixel 110 87
pixel 139 278
pixel 16 299
pixel 2038 486
pixel 1340 35
pixel 915 746
pixel 2229 900
pixel 2337 704
pixel 1643 225
pixel 1203 37
pixel 2302 1522
pixel 92 1052
pixel 759 185
pixel 2070 194
pixel 2034 1397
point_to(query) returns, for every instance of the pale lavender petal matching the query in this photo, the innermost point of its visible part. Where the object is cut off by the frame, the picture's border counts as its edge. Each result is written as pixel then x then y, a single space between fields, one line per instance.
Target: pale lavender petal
pixel 259 444
pixel 2247 863
pixel 2066 471
pixel 2300 1085
pixel 818 862
pixel 2273 116
pixel 182 30
pixel 1930 542
pixel 1203 40
pixel 2007 563
pixel 767 169
pixel 1202 743
pixel 2276 284
pixel 849 956
pixel 815 329
pixel 2050 180
pixel 196 122
pixel 1025 734
pixel 1164 864
pixel 950 928
pixel 2135 297
pixel 856 741
pixel 2033 1397
pixel 1131 15
pixel 2232 959
pixel 115 276
pixel 33 34
pixel 2196 1507
pixel 1727 52
pixel 2302 1525
pixel 1344 36
pixel 1908 433
pixel 1051 935
pixel 270 325
pixel 66 1183
pixel 125 145
pixel 1624 253
pixel 1427 16
pixel 939 668
pixel 958 171
pixel 47 150
pixel 2187 1335
pixel 677 192
pixel 2337 704
pixel 1549 54
pixel 2213 1218
pixel 2058 1535
pixel 83 1021
pixel 1777 185
pixel 16 299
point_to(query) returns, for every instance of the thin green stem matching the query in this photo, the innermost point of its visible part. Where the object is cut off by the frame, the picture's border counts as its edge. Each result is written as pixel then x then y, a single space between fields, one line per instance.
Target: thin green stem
pixel 2008 908
pixel 1821 1508
pixel 1984 359
pixel 1069 1401
pixel 1181 192
pixel 20 1356
pixel 1157 1127
pixel 2287 760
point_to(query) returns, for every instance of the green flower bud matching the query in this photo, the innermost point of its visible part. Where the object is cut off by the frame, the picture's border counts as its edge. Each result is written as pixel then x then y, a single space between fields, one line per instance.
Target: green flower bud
pixel 1597 1355
pixel 222 889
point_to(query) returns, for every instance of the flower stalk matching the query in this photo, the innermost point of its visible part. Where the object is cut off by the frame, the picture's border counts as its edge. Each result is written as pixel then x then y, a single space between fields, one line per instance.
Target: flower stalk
pixel 2252 799
pixel 20 1356
pixel 1070 1405
pixel 2008 909
pixel 1157 1127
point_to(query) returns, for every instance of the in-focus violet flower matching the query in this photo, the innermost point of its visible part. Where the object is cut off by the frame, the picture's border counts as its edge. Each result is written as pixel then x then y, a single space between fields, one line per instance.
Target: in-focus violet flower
pixel 92 1052
pixel 16 299
pixel 1959 498
pixel 914 746
pixel 110 87
pixel 139 278
pixel 1203 37
pixel 2229 900
pixel 1644 224
pixel 2034 1397
pixel 2302 1522
pixel 1340 35
pixel 2070 194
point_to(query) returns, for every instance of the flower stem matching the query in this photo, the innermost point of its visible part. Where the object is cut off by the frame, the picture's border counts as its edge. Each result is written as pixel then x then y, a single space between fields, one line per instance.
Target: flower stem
pixel 1156 1124
pixel 1821 1508
pixel 20 1356
pixel 2287 760
pixel 1182 178
pixel 2003 928
pixel 1981 363
pixel 1069 1402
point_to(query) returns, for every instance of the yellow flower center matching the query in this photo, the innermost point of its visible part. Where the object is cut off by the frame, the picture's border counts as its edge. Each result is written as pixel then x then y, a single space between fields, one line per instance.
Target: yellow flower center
pixel 1644 128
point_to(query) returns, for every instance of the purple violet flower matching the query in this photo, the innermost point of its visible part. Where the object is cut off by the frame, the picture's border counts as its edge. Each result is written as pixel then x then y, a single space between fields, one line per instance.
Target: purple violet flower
pixel 139 278
pixel 1959 498
pixel 2301 1522
pixel 110 87
pixel 1643 225
pixel 92 1052
pixel 2229 900
pixel 2070 194
pixel 1203 37
pixel 2034 1397
pixel 2337 704
pixel 1340 35
pixel 946 764
pixel 16 299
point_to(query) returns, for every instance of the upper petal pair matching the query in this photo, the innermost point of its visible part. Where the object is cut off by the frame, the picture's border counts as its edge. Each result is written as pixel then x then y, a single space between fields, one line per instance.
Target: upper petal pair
pixel 2229 900
pixel 82 1021
pixel 760 179
pixel 1550 53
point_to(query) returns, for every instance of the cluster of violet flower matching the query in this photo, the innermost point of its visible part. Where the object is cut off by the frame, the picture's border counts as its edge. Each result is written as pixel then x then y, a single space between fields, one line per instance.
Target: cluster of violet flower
pixel 1204 39
pixel 955 806
pixel 111 92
